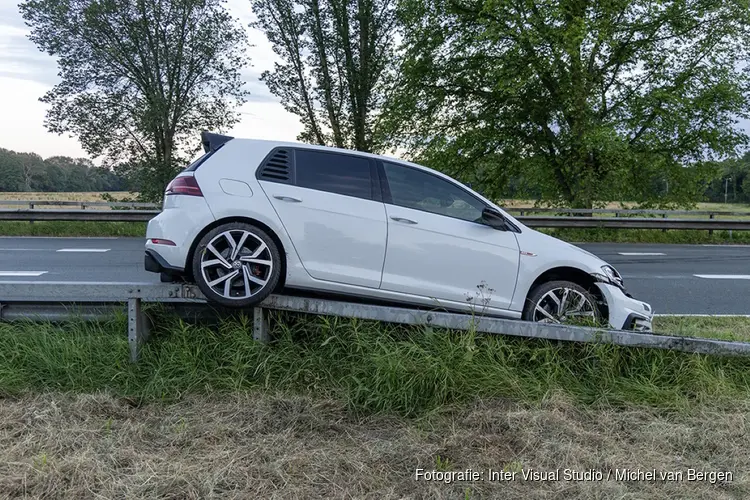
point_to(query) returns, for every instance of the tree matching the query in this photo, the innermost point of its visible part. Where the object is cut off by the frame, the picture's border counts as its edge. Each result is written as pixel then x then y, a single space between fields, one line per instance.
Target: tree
pixel 336 57
pixel 141 78
pixel 586 100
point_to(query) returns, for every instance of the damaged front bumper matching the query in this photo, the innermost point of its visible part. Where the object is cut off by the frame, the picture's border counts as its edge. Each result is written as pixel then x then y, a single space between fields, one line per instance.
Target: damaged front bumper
pixel 625 312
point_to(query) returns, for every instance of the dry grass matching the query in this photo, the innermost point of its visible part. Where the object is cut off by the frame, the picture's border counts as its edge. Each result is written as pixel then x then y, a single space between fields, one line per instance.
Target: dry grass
pixel 68 196
pixel 72 196
pixel 274 446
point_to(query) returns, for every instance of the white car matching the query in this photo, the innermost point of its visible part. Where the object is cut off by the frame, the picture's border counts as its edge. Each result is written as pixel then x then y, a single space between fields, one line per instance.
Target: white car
pixel 251 217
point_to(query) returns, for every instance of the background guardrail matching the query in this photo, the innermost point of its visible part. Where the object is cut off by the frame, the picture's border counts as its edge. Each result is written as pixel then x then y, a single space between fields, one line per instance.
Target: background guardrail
pixel 574 218
pixel 83 204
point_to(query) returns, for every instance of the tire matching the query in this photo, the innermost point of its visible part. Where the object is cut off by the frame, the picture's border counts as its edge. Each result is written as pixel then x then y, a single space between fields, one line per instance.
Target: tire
pixel 576 294
pixel 255 268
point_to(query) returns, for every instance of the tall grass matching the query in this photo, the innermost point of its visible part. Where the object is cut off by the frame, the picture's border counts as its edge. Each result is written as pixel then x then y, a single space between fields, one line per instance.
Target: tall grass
pixel 373 367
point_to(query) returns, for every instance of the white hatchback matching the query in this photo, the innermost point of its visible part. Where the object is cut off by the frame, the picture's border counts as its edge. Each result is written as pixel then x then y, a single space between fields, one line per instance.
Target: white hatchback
pixel 251 217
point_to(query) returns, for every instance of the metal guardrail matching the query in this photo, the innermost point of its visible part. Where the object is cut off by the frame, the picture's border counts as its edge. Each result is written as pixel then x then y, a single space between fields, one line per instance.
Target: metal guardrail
pixel 83 204
pixel 576 218
pixel 627 212
pixel 25 214
pixel 534 221
pixel 62 300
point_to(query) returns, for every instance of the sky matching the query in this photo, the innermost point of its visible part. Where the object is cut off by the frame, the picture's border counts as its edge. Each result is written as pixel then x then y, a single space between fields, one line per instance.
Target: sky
pixel 26 74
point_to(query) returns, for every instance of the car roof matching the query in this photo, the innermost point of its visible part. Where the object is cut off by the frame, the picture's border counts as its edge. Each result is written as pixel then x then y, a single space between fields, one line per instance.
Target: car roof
pixel 270 144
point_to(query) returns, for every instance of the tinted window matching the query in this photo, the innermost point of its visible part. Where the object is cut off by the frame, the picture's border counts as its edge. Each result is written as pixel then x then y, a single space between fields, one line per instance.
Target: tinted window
pixel 419 190
pixel 333 172
pixel 197 163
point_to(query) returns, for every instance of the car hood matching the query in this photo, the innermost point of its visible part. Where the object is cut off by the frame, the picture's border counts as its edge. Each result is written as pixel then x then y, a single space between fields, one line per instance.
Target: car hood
pixel 542 244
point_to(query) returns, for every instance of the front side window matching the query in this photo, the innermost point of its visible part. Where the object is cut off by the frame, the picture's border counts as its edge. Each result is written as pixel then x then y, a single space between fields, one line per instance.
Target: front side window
pixel 333 172
pixel 412 188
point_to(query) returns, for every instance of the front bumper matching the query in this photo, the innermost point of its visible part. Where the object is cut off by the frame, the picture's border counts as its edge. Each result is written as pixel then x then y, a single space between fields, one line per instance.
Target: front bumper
pixel 625 312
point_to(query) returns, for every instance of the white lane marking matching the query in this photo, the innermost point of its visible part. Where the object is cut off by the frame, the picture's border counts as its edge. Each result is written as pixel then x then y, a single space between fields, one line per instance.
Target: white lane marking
pixel 22 273
pixel 24 249
pixel 641 253
pixel 724 276
pixel 99 250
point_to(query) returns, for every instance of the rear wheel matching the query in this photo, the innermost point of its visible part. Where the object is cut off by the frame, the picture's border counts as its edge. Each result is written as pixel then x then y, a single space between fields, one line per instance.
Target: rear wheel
pixel 236 265
pixel 561 302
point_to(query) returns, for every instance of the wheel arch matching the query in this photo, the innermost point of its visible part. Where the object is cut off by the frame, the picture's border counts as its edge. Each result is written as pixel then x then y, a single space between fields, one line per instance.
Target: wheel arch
pixel 247 220
pixel 568 273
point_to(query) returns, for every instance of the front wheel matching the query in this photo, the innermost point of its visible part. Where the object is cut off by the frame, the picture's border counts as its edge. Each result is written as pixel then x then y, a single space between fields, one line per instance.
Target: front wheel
pixel 236 265
pixel 562 302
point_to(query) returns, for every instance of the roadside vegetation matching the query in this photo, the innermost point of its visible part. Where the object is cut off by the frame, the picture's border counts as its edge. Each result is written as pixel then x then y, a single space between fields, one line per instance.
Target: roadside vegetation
pixel 337 407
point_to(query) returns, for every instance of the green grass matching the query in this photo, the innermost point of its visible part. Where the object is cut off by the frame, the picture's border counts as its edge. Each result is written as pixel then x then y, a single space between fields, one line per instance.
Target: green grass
pixel 72 228
pixel 648 236
pixel 370 366
pixel 716 327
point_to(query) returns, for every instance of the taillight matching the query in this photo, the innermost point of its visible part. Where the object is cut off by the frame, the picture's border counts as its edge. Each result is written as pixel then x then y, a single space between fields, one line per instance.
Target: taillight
pixel 184 185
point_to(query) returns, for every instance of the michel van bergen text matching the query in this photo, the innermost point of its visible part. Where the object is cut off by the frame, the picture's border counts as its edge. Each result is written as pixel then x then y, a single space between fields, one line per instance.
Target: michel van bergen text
pixel 574 475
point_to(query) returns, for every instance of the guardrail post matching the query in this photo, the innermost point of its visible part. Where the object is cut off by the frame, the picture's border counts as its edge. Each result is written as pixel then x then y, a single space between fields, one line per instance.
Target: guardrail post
pixel 260 325
pixel 710 231
pixel 663 216
pixel 138 328
pixel 31 207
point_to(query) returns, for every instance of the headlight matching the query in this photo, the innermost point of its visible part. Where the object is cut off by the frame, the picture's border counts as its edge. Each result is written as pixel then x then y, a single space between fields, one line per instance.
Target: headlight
pixel 609 275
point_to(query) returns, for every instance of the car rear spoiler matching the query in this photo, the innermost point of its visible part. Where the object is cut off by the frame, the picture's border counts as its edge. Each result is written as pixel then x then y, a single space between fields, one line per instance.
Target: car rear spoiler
pixel 212 142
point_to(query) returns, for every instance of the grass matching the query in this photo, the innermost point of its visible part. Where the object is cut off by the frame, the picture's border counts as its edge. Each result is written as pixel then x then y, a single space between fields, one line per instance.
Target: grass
pixel 66 196
pixel 377 368
pixel 654 236
pixel 717 327
pixel 280 445
pixel 339 408
pixel 67 228
pixel 73 228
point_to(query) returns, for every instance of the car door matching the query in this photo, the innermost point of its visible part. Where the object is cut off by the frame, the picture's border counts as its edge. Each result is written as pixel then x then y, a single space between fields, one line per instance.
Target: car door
pixel 330 205
pixel 437 246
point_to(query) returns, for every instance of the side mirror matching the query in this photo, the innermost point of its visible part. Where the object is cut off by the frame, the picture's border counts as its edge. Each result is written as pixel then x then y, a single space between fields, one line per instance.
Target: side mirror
pixel 493 218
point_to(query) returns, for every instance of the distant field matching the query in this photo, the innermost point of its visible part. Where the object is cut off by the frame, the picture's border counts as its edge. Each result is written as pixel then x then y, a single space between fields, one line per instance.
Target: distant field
pixel 724 207
pixel 67 196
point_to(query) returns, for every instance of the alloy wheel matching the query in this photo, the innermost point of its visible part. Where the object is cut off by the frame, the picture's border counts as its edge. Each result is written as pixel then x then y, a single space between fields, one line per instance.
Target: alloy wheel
pixel 562 304
pixel 236 264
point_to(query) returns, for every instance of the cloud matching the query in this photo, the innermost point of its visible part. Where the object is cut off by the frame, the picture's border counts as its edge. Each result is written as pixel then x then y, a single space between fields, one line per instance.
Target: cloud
pixel 26 74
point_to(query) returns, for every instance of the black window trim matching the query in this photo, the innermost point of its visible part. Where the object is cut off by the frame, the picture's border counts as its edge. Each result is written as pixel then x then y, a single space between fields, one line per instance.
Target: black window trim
pixel 388 198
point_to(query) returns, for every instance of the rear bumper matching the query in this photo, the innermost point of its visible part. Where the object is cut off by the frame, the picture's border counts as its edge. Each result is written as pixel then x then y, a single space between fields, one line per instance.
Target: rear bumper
pixel 625 312
pixel 180 222
pixel 155 263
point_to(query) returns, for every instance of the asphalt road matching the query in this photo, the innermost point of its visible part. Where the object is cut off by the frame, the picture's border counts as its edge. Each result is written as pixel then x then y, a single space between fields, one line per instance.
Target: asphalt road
pixel 674 279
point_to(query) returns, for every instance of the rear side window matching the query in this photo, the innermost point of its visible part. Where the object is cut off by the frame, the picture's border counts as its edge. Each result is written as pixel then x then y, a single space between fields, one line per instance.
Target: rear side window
pixel 197 163
pixel 335 173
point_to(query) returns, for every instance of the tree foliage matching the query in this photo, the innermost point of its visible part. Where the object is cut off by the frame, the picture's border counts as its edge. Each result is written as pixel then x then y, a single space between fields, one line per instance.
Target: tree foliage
pixel 29 172
pixel 140 78
pixel 336 57
pixel 585 100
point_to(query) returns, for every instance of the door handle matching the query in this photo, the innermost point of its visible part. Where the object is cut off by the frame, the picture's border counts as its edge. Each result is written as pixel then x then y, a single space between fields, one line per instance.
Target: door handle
pixel 287 198
pixel 405 221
